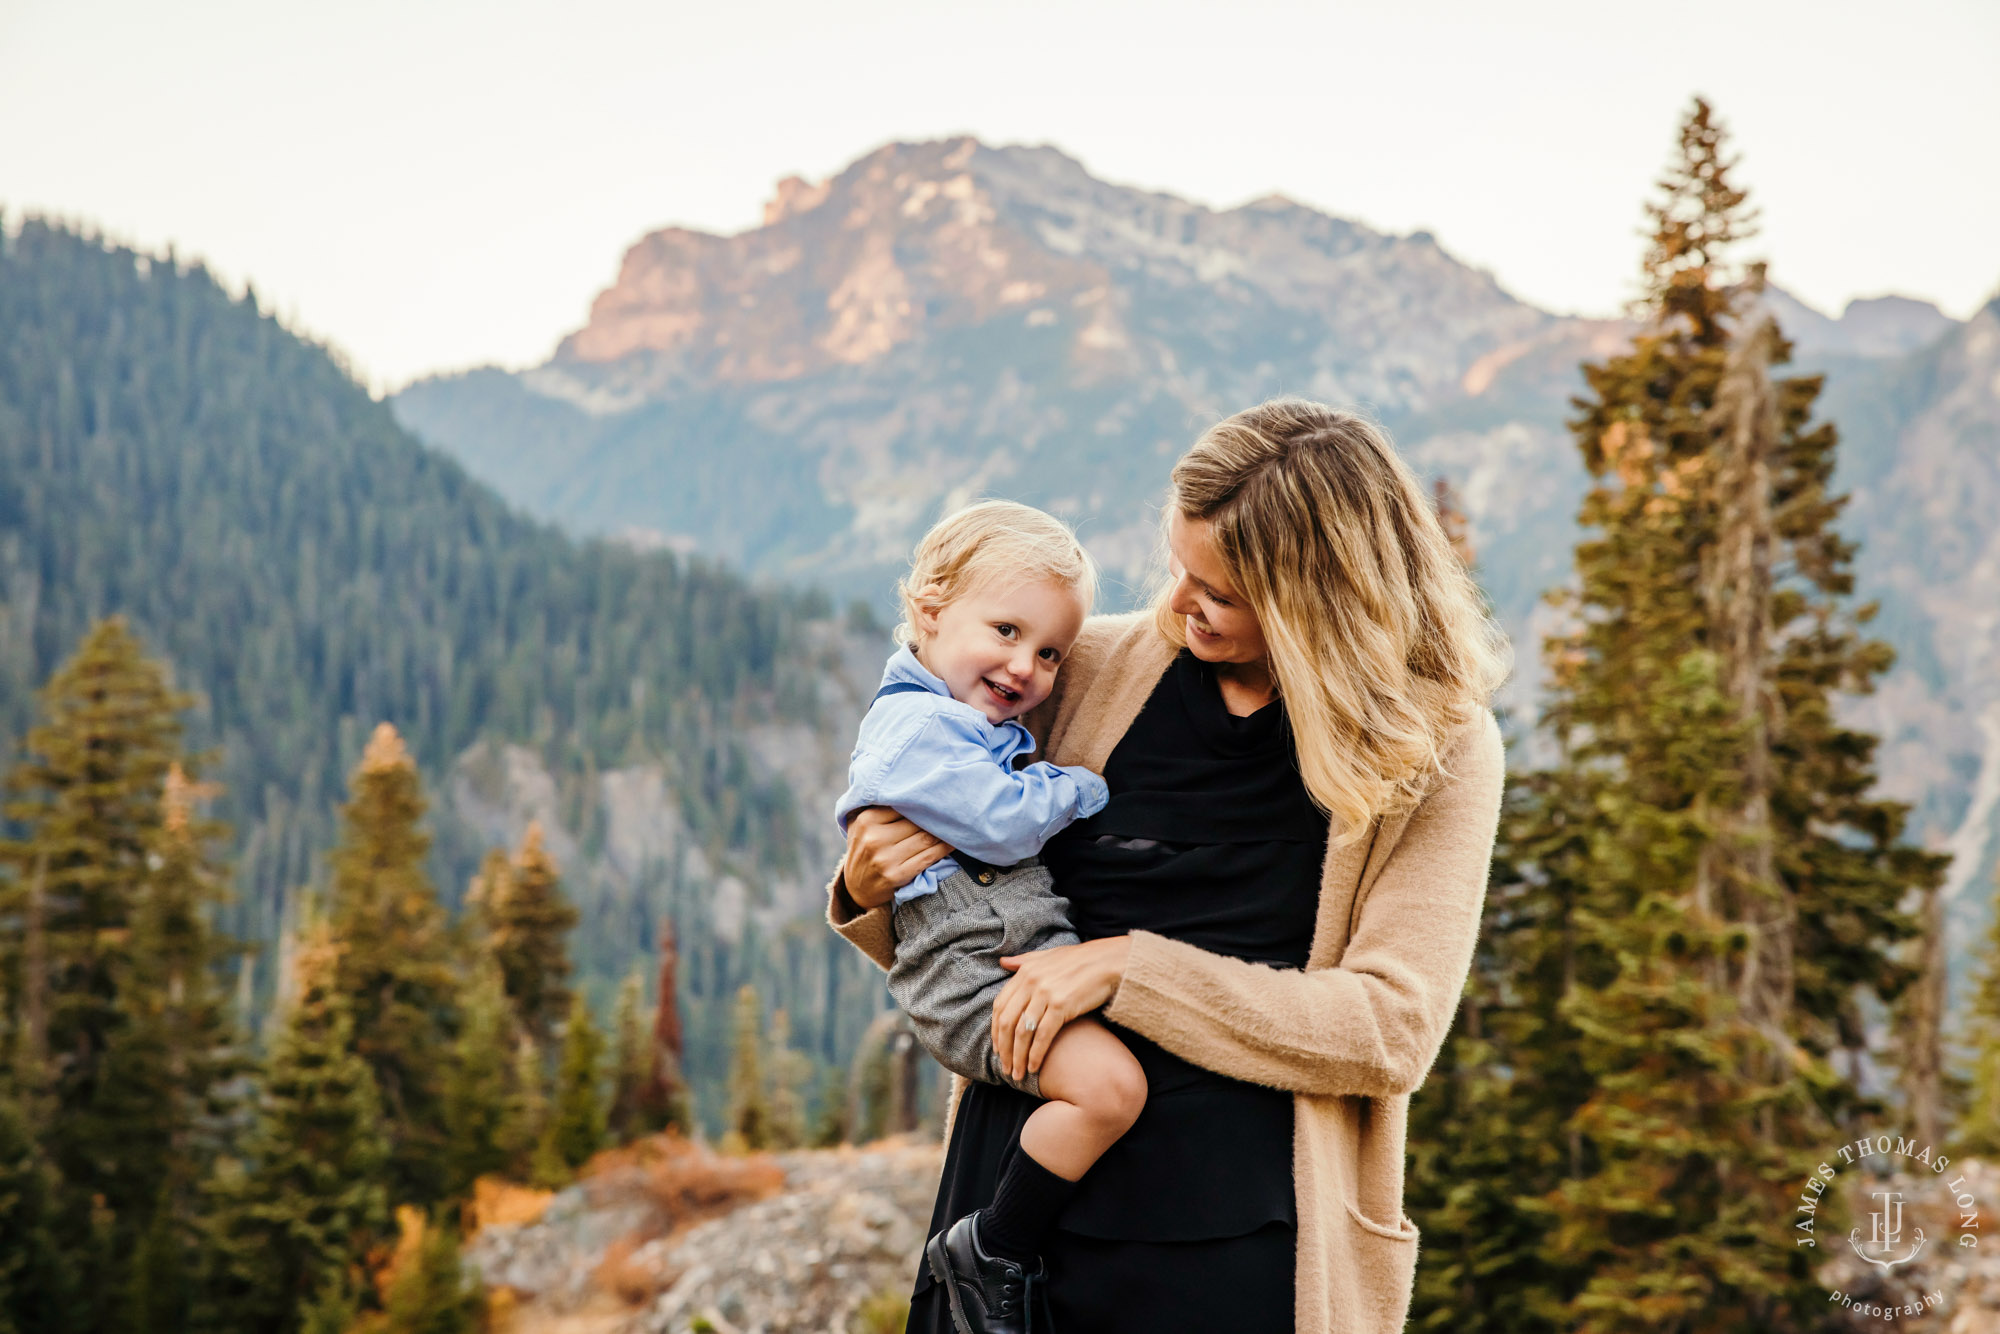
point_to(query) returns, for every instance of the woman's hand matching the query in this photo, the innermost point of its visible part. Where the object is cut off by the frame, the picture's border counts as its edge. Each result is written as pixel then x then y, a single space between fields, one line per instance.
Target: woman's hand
pixel 1049 988
pixel 884 853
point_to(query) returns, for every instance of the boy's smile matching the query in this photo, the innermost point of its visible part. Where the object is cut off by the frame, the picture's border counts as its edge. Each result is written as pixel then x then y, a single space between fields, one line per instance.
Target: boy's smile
pixel 997 646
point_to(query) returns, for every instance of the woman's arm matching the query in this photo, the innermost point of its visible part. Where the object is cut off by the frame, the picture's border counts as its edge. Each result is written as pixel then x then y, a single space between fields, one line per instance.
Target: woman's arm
pixel 884 850
pixel 1373 1025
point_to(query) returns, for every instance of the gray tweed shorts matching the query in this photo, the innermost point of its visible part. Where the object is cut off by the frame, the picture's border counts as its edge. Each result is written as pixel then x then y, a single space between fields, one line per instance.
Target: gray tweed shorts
pixel 948 950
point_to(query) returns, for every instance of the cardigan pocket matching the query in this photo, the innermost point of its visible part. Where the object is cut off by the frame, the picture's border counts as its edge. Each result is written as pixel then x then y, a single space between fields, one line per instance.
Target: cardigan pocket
pixel 1406 1233
pixel 1385 1260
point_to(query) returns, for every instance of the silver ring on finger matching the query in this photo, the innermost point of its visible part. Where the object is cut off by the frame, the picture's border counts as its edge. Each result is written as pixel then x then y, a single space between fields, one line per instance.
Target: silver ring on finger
pixel 1028 1024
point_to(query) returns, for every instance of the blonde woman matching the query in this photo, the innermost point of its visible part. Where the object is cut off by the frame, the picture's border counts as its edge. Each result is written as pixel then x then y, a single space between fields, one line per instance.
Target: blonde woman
pixel 1277 907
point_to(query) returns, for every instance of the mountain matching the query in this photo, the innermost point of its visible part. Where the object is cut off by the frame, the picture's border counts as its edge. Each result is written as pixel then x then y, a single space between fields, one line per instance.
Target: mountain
pixel 943 320
pixel 939 320
pixel 1921 460
pixel 1882 326
pixel 307 569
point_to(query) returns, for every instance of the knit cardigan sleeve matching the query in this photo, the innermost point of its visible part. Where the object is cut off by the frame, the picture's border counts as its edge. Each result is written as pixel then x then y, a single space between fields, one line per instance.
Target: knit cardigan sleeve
pixel 1371 1025
pixel 870 931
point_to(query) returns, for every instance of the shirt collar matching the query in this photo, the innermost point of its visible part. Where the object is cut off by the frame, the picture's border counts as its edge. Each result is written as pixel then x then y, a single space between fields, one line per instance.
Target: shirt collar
pixel 903 666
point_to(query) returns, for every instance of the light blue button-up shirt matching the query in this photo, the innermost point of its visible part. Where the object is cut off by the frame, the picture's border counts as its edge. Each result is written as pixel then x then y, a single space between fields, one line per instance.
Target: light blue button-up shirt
pixel 941 764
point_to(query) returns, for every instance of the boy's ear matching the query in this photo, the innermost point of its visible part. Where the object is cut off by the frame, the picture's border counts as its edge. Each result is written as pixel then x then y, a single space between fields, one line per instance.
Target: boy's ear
pixel 928 599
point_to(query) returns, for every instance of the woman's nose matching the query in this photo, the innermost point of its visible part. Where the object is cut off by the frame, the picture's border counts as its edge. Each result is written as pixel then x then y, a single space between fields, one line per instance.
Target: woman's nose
pixel 1181 599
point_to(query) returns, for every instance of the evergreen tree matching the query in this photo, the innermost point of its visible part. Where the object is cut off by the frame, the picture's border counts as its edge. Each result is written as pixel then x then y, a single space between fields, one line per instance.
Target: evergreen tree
pixel 86 795
pixel 749 1098
pixel 829 1126
pixel 156 1286
pixel 576 1127
pixel 790 1071
pixel 394 962
pixel 479 1107
pixel 632 1063
pixel 161 1101
pixel 665 1101
pixel 1978 1132
pixel 334 1309
pixel 528 1119
pixel 1929 1089
pixel 528 921
pixel 1705 881
pixel 36 1278
pixel 432 1293
pixel 310 1200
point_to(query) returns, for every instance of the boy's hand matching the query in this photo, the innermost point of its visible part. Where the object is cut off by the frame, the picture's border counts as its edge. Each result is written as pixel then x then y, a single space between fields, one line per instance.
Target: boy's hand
pixel 884 853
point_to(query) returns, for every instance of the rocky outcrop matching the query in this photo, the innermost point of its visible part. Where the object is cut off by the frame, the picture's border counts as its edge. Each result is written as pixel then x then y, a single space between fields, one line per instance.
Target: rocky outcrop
pixel 666 1237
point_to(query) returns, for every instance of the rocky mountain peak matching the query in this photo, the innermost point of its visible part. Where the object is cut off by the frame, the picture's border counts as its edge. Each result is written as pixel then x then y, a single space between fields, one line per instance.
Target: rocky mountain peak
pixel 917 240
pixel 1882 326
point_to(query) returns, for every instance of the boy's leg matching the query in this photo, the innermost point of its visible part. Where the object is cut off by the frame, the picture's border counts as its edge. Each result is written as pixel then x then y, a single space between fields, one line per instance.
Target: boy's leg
pixel 1096 1089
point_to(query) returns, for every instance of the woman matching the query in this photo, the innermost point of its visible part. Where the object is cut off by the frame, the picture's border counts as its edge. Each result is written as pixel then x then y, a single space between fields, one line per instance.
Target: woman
pixel 1279 906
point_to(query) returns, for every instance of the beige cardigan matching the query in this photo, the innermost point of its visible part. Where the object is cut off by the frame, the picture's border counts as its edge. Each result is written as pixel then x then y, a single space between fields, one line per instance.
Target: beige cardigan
pixel 1351 1036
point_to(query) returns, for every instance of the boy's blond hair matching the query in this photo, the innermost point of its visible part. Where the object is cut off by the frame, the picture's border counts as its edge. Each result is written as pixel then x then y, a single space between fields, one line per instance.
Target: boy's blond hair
pixel 992 539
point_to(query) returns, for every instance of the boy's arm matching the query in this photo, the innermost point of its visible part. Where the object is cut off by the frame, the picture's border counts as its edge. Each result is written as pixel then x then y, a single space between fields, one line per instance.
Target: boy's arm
pixel 947 783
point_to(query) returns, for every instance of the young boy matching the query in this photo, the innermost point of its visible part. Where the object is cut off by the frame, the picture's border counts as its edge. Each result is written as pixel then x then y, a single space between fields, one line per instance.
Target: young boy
pixel 995 597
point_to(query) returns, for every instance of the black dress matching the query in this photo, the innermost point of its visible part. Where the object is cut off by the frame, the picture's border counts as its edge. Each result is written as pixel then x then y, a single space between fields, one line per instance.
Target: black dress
pixel 1188 1222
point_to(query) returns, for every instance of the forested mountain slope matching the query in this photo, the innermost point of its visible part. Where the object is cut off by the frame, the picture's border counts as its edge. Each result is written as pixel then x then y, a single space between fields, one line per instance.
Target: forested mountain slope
pixel 309 569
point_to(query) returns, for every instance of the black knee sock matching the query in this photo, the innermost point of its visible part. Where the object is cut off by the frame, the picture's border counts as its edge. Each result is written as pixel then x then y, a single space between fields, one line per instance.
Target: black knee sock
pixel 1025 1206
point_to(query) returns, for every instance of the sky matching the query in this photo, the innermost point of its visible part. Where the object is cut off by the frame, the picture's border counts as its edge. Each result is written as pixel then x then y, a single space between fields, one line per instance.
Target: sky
pixel 436 185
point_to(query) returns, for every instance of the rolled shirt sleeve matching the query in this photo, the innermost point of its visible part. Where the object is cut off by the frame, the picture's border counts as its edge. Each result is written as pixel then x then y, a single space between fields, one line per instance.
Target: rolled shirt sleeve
pixel 946 781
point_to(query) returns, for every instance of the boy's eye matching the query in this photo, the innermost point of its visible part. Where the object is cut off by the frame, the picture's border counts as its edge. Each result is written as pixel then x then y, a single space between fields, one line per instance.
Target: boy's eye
pixel 1049 655
pixel 1006 631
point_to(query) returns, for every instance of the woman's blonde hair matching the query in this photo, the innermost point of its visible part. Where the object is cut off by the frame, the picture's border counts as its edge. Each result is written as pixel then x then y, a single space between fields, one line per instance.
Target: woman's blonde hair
pixel 1379 641
pixel 987 541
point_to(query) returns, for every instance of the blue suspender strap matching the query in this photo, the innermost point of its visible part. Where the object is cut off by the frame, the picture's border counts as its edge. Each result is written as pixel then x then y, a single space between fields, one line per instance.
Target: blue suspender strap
pixel 898 688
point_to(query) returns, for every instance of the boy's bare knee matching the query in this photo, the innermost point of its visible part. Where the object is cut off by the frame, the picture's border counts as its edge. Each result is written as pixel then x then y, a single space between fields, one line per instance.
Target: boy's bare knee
pixel 1122 1092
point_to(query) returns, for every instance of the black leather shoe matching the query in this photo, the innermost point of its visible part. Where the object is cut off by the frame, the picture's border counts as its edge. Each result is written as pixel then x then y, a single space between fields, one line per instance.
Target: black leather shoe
pixel 988 1294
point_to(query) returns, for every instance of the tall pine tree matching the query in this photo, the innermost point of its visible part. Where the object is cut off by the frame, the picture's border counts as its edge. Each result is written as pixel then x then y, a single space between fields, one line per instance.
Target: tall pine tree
pixel 479 1109
pixel 37 1279
pixel 631 1062
pixel 87 797
pixel 749 1095
pixel 395 961
pixel 665 1099
pixel 309 1199
pixel 1695 895
pixel 1979 1128
pixel 527 922
pixel 163 1098
pixel 791 1071
pixel 577 1121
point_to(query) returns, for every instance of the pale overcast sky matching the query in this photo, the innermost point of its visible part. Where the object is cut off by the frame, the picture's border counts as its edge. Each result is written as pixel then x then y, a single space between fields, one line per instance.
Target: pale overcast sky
pixel 436 185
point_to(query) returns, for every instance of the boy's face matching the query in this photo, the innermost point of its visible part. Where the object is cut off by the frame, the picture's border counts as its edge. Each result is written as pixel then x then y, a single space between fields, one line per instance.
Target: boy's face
pixel 998 645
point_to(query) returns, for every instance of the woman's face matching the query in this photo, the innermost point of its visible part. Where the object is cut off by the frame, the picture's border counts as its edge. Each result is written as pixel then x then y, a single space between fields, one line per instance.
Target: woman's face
pixel 1221 627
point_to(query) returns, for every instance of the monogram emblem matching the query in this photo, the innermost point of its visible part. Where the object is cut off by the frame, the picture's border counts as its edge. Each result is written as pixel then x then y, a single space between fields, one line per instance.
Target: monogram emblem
pixel 1885 1233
